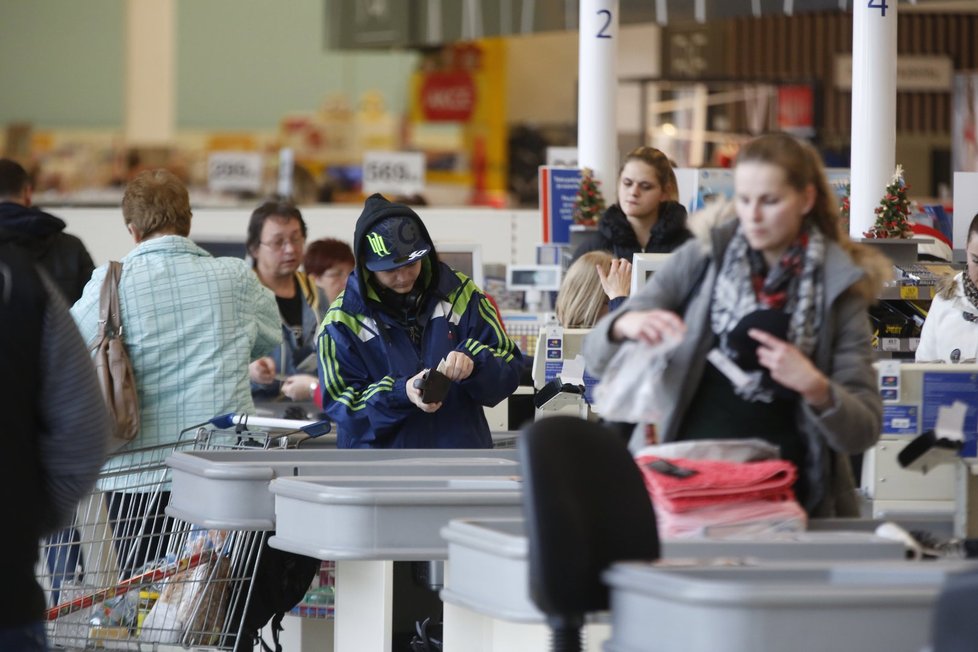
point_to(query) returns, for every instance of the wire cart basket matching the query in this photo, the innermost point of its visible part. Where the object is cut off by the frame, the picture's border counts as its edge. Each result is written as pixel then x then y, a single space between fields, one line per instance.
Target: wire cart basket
pixel 126 576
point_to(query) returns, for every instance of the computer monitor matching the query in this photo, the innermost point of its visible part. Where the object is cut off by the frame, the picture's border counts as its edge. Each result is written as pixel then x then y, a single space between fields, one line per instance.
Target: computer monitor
pixel 542 278
pixel 643 266
pixel 465 258
pixel 228 248
pixel 536 282
pixel 552 253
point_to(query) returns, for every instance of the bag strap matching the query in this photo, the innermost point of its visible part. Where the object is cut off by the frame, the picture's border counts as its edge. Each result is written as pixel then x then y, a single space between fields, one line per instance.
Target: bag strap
pixel 276 628
pixel 109 319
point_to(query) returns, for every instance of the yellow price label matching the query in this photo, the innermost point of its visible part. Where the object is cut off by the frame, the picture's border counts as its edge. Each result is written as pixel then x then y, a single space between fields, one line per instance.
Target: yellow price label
pixel 909 292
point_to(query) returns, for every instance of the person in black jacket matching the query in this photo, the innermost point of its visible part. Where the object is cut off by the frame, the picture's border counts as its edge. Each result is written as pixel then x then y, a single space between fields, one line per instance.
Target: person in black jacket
pixel 647 218
pixel 55 425
pixel 40 234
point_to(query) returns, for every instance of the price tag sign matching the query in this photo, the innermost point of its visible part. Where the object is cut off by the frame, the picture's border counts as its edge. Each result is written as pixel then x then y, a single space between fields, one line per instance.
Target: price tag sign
pixel 234 171
pixel 909 292
pixel 396 173
pixel 890 344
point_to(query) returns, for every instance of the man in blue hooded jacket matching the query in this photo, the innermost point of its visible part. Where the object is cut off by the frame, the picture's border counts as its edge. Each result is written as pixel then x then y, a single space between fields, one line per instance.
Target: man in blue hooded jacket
pixel 404 312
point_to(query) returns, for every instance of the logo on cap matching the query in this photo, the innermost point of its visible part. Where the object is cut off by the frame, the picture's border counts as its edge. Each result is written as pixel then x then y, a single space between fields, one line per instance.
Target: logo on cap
pixel 377 244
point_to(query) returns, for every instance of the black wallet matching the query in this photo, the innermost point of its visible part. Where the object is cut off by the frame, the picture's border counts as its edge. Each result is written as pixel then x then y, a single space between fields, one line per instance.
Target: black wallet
pixel 434 386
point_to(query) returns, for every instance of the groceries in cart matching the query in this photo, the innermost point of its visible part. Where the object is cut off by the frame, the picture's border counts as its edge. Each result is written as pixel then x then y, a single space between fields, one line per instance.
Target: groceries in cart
pixel 182 598
pixel 126 575
pixel 194 599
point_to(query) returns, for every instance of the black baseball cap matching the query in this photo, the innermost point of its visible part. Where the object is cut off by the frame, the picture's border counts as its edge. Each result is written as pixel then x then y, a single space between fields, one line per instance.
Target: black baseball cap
pixel 394 242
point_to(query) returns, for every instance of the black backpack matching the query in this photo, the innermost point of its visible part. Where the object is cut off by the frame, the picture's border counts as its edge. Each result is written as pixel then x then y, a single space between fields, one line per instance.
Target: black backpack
pixel 279 583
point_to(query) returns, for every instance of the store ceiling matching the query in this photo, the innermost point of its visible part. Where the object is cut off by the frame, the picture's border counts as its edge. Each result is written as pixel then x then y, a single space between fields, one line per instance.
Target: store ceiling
pixel 638 11
pixel 358 24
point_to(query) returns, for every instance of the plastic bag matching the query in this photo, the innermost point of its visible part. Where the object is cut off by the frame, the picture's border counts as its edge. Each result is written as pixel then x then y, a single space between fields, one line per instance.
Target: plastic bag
pixel 628 390
pixel 194 601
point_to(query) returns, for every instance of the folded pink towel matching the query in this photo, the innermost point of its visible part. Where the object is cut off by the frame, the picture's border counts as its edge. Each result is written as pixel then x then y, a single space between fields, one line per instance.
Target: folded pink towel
pixel 682 484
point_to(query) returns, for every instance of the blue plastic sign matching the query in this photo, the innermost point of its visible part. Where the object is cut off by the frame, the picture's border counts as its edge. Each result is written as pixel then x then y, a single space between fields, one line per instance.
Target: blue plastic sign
pixel 558 190
pixel 901 420
pixel 942 388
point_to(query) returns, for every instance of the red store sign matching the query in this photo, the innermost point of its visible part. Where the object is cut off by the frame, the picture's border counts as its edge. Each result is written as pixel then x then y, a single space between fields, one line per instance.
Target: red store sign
pixel 796 109
pixel 448 96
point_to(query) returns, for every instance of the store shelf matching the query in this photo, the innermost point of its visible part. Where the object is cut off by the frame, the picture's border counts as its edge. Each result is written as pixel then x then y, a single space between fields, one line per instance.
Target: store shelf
pixel 897 344
pixel 923 292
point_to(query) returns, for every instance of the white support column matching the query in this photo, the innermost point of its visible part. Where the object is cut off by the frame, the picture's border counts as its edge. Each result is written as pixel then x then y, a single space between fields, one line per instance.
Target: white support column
pixel 597 92
pixel 150 104
pixel 363 610
pixel 874 59
pixel 697 144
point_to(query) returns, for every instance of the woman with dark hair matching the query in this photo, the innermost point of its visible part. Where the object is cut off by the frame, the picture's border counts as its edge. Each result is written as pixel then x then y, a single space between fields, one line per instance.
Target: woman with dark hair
pixel 950 333
pixel 328 262
pixel 647 217
pixel 782 293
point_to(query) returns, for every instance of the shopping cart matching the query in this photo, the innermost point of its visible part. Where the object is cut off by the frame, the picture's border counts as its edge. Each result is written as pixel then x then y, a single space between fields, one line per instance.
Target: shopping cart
pixel 126 576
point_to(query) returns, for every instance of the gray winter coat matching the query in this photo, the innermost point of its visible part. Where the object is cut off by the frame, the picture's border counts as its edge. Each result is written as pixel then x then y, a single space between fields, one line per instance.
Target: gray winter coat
pixel 843 353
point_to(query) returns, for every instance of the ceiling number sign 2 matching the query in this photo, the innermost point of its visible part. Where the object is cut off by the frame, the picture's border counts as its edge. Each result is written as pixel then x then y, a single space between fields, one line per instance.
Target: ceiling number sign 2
pixel 606 17
pixel 878 4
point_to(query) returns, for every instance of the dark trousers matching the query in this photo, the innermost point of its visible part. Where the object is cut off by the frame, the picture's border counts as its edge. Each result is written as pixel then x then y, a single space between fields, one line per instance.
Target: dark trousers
pixel 25 638
pixel 64 559
pixel 140 528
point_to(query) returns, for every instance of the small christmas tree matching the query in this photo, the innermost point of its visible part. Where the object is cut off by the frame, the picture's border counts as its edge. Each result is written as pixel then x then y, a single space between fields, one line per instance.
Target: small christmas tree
pixel 589 204
pixel 891 214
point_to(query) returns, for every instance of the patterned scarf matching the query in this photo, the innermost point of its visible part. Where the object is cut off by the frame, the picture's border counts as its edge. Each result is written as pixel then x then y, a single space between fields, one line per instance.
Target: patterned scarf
pixel 971 294
pixel 745 284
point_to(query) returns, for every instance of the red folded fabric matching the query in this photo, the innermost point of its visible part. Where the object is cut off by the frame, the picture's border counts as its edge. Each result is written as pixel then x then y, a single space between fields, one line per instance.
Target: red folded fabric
pixel 717 482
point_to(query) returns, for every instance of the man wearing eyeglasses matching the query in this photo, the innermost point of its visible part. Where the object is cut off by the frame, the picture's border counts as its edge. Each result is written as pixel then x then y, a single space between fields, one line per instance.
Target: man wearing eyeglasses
pixel 276 240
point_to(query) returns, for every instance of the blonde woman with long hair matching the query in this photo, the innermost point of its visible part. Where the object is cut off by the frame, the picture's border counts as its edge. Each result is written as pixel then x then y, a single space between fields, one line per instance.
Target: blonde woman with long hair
pixel 595 284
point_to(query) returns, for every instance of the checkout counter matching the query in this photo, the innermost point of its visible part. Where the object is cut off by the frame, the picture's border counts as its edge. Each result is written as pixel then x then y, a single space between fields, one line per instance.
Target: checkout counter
pixel 365 509
pixel 912 395
pixel 562 384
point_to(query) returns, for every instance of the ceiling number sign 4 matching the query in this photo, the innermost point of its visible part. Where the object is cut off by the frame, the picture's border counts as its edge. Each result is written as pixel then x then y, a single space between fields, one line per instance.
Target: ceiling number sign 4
pixel 878 4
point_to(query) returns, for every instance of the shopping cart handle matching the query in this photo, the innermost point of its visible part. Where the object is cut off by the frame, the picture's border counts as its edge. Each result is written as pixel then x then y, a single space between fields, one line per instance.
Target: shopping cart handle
pixel 317 429
pixel 223 421
pixel 231 419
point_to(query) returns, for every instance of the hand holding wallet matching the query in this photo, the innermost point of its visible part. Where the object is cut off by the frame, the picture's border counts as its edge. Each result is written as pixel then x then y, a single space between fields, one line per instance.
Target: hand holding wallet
pixel 434 385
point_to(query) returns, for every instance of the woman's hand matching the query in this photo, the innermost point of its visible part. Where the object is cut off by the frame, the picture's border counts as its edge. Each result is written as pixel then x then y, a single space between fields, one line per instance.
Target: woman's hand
pixel 792 369
pixel 262 371
pixel 649 326
pixel 300 387
pixel 618 280
pixel 414 394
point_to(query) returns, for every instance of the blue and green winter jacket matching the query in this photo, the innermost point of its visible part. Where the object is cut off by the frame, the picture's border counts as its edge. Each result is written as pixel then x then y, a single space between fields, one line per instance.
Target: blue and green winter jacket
pixel 366 356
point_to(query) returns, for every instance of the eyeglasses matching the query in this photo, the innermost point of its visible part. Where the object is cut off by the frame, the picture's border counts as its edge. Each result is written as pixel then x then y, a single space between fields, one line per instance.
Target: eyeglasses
pixel 279 244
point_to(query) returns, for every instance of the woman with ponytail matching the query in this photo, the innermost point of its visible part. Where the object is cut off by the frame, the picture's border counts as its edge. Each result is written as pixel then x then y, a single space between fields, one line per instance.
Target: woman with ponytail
pixel 781 293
